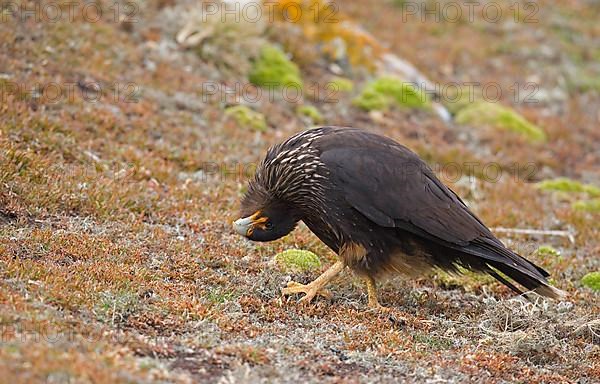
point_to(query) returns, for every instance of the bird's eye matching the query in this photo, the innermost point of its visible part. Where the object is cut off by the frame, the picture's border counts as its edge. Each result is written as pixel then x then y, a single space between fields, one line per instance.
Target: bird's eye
pixel 268 225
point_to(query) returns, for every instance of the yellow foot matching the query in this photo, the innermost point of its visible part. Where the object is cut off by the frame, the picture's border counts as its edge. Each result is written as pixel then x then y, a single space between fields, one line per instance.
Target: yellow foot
pixel 310 290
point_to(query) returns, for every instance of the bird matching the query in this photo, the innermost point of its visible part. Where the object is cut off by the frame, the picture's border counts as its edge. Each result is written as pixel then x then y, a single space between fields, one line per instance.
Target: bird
pixel 380 208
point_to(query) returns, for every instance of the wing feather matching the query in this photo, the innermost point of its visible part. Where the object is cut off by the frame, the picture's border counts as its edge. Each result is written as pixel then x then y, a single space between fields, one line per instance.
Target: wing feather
pixel 397 189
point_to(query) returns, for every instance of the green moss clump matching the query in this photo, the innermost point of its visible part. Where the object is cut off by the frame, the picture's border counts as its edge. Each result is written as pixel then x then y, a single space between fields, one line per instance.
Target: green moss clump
pixel 219 296
pixel 370 100
pixel 592 281
pixel 297 260
pixel 501 117
pixel 341 84
pixel 246 117
pixel 563 184
pixel 311 112
pixel 567 186
pixel 274 69
pixel 587 205
pixel 546 250
pixel 458 99
pixel 386 91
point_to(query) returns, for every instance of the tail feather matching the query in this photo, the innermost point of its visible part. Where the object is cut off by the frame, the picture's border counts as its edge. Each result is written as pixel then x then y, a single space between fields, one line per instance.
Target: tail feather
pixel 552 292
pixel 493 258
pixel 504 281
pixel 536 284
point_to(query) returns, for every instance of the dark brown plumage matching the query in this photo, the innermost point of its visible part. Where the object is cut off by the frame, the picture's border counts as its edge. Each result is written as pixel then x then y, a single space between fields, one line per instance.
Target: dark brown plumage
pixel 379 207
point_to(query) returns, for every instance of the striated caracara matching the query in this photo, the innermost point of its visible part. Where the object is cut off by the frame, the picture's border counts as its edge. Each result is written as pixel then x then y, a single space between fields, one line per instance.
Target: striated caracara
pixel 379 207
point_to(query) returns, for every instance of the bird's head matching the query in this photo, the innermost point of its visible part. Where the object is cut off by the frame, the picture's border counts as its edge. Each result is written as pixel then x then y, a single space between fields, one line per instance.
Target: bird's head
pixel 264 217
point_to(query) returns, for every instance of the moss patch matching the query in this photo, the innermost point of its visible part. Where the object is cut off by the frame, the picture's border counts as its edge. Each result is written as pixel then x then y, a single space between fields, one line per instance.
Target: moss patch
pixel 274 69
pixel 563 184
pixel 587 205
pixel 246 117
pixel 458 99
pixel 310 112
pixel 342 84
pixel 592 281
pixel 297 260
pixel 220 296
pixel 387 91
pixel 481 113
pixel 546 250
pixel 566 187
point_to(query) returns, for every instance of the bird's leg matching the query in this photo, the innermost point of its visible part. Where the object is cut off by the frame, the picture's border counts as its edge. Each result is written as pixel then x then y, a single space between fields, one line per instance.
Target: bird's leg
pixel 316 287
pixel 396 316
pixel 372 292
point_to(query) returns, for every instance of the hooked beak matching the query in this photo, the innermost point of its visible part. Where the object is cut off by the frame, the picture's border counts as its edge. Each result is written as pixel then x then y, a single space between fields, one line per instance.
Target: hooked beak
pixel 243 225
